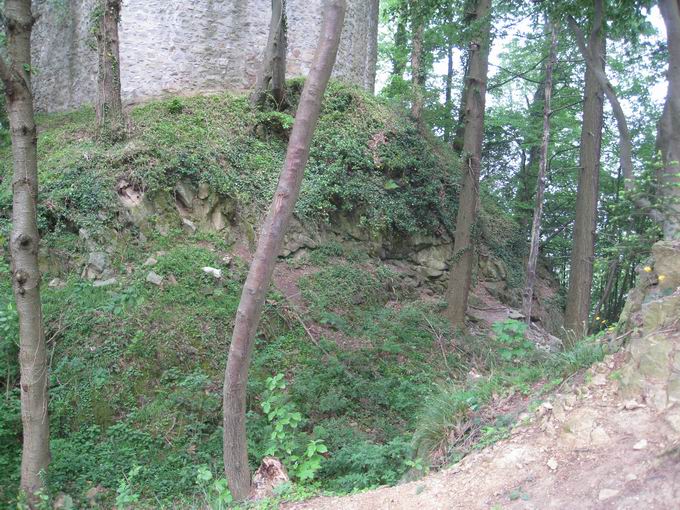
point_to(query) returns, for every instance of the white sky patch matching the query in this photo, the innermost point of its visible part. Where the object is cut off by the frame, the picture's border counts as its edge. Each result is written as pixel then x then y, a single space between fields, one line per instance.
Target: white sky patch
pixel 499 45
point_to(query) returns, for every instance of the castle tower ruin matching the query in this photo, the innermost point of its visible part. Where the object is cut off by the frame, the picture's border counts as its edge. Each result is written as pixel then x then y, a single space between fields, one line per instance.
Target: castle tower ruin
pixel 172 47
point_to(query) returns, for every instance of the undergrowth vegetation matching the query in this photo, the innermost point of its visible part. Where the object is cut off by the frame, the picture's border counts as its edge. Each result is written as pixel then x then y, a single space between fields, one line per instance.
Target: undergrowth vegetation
pixel 136 369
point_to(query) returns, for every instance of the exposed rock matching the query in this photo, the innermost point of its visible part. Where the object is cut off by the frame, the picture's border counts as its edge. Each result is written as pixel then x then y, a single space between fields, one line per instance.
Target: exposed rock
pixel 94 494
pixel 652 310
pixel 552 463
pixel 184 195
pixel 189 226
pixel 298 238
pixel 268 476
pixel 86 237
pixel 104 283
pixel 63 502
pixel 150 262
pixel 203 190
pixel 640 445
pixel 97 265
pixel 666 256
pixel 154 278
pixel 599 380
pixel 606 494
pixel 215 273
pixel 56 283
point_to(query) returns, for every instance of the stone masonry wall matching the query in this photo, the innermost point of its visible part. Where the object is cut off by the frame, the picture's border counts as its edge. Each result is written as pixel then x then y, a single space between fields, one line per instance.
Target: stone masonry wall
pixel 179 47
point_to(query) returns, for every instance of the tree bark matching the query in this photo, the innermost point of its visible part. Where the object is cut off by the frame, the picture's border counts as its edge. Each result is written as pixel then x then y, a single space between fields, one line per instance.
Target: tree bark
pixel 475 100
pixel 527 178
pixel 668 137
pixel 268 248
pixel 585 224
pixel 459 131
pixel 24 244
pixel 417 70
pixel 400 42
pixel 597 69
pixel 273 70
pixel 528 296
pixel 449 90
pixel 625 140
pixel 606 291
pixel 109 106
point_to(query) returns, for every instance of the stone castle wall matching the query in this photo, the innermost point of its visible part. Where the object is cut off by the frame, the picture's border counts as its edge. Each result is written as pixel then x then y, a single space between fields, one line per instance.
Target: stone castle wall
pixel 178 47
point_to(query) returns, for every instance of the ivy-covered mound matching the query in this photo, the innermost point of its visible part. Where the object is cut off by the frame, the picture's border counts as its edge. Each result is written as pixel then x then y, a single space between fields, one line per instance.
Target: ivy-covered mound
pixel 136 367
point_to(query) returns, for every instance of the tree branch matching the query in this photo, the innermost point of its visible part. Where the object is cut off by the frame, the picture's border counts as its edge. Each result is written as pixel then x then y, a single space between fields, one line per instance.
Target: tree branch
pixel 518 75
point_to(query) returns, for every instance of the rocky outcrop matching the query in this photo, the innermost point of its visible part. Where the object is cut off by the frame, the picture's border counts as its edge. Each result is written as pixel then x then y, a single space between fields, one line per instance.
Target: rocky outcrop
pixel 420 260
pixel 651 318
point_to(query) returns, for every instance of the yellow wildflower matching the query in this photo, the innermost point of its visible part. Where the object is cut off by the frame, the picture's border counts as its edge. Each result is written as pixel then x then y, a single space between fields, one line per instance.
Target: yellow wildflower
pixel 647 269
pixel 597 318
pixel 662 277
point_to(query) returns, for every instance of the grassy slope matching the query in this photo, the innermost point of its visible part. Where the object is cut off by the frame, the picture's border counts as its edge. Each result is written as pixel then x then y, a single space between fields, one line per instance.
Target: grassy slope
pixel 136 369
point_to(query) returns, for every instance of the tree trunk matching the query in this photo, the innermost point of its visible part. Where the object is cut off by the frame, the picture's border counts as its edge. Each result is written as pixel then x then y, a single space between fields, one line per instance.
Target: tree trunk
pixel 625 140
pixel 109 106
pixel 470 9
pixel 585 224
pixel 528 296
pixel 668 137
pixel 463 252
pixel 527 178
pixel 449 90
pixel 417 71
pixel 606 291
pixel 400 41
pixel 459 131
pixel 268 248
pixel 24 244
pixel 273 70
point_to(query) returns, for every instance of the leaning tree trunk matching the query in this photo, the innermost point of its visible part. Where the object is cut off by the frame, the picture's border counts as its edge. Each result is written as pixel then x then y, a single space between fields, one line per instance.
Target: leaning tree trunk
pixel 273 71
pixel 528 296
pixel 24 244
pixel 460 278
pixel 109 106
pixel 668 137
pixel 268 248
pixel 585 224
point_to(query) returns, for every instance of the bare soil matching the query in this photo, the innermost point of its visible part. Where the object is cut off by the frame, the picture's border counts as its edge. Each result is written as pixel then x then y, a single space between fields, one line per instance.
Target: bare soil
pixel 585 448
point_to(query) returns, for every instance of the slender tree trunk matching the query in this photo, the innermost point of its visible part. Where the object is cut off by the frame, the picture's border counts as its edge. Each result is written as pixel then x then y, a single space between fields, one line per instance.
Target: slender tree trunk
pixel 528 296
pixel 109 106
pixel 417 70
pixel 606 291
pixel 268 248
pixel 585 224
pixel 668 137
pixel 460 278
pixel 527 178
pixel 24 245
pixel 400 42
pixel 470 9
pixel 448 102
pixel 273 70
pixel 459 131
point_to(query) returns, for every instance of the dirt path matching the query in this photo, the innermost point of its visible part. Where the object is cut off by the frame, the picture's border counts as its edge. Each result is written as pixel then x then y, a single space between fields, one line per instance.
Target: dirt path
pixel 585 448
